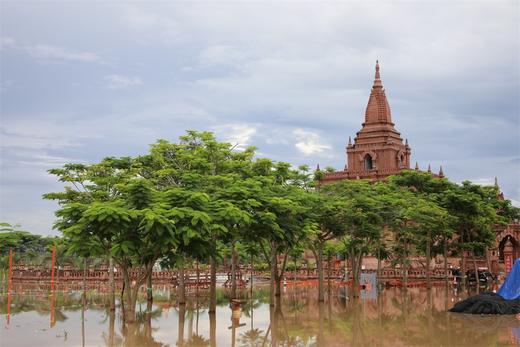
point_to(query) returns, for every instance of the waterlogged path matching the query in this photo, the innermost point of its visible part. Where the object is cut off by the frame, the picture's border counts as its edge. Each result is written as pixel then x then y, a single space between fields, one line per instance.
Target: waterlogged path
pixel 393 318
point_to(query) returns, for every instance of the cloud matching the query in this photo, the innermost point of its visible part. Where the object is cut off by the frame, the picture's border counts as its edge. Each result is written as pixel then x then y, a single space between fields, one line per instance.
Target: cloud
pixel 120 82
pixel 221 55
pixel 239 135
pixel 309 142
pixel 48 52
pixel 483 181
pixel 6 41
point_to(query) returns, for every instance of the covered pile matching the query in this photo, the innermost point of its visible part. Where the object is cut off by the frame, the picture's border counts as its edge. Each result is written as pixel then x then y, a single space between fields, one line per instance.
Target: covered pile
pixel 487 303
pixel 506 301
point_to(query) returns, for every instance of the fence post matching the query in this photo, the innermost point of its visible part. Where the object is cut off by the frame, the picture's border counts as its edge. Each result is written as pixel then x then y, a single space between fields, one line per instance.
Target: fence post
pixel 53 262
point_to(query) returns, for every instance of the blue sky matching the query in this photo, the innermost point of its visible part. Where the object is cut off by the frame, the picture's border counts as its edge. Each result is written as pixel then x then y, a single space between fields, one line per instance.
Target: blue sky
pixel 84 80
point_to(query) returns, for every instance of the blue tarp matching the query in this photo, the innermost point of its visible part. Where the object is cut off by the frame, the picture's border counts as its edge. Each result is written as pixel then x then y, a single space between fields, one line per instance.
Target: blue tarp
pixel 510 289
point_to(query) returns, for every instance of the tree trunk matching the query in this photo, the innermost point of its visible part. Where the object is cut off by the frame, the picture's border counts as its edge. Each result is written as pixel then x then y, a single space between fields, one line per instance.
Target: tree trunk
pixel 212 329
pixel 428 261
pixel 182 286
pixel 359 266
pixel 129 297
pixel 273 274
pixel 463 265
pixel 319 264
pixel 149 293
pixel 488 261
pixel 346 266
pixel 111 328
pixel 251 278
pixel 182 317
pixel 406 265
pixel 278 285
pixel 356 269
pixel 279 275
pixel 296 270
pixel 477 279
pixel 111 284
pixel 355 277
pixel 85 275
pixel 378 263
pixel 273 324
pixel 328 274
pixel 198 281
pixel 213 286
pixel 233 270
pixel 445 256
pixel 321 325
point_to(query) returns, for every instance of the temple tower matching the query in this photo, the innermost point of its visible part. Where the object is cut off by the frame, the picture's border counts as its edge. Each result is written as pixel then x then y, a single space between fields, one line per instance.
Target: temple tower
pixel 378 146
pixel 378 150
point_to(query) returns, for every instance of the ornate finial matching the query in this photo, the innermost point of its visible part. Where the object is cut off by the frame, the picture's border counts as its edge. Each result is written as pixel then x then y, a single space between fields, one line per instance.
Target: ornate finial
pixel 349 141
pixel 377 80
pixel 346 167
pixel 416 166
pixel 429 169
pixel 406 142
pixel 318 167
pixel 496 182
pixel 441 173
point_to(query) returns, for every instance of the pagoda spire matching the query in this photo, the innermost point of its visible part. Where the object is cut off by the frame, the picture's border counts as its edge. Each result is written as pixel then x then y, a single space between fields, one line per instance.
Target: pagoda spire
pixel 377 78
pixel 429 168
pixel 318 167
pixel 349 141
pixel 416 166
pixel 378 110
pixel 441 173
pixel 496 182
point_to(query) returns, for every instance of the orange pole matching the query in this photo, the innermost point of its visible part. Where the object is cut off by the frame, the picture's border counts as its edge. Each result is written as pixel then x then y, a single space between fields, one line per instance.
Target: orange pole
pixel 53 311
pixel 8 308
pixel 10 279
pixel 53 266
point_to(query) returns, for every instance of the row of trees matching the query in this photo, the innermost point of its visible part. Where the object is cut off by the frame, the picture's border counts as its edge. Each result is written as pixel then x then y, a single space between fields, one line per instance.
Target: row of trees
pixel 199 199
pixel 31 249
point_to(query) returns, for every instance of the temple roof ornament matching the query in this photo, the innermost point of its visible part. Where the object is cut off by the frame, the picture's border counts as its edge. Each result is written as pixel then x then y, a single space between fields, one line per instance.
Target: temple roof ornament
pixel 378 109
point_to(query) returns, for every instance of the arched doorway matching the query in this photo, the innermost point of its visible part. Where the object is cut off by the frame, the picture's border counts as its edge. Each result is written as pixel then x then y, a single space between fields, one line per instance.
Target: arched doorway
pixel 508 251
pixel 368 162
pixel 508 241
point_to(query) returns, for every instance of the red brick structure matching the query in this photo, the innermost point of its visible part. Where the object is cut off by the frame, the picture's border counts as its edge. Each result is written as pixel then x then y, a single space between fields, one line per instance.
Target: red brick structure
pixel 378 150
pixel 507 244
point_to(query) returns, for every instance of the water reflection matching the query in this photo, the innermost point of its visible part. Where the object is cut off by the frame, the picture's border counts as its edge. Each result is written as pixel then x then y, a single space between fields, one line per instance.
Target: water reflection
pixel 413 317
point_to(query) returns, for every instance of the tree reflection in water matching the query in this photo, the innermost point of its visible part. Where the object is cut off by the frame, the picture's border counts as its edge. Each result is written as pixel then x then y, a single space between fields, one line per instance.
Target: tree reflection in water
pixel 397 317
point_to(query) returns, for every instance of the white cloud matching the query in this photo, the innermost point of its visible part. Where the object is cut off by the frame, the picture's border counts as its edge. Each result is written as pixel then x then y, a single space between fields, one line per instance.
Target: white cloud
pixel 237 134
pixel 48 52
pixel 6 41
pixel 120 82
pixel 221 55
pixel 309 142
pixel 483 181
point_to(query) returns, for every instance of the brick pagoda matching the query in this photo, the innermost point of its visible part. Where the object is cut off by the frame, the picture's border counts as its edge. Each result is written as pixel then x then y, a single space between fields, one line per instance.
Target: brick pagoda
pixel 378 150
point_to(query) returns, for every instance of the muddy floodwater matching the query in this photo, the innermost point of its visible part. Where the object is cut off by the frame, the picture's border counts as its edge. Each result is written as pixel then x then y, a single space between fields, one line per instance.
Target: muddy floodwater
pixel 31 316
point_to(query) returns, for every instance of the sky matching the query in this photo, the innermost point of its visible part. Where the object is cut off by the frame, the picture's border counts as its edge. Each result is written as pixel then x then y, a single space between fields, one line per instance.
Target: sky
pixel 82 80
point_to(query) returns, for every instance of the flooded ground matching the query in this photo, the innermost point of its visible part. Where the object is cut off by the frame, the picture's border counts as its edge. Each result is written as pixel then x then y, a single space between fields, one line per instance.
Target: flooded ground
pixel 395 317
